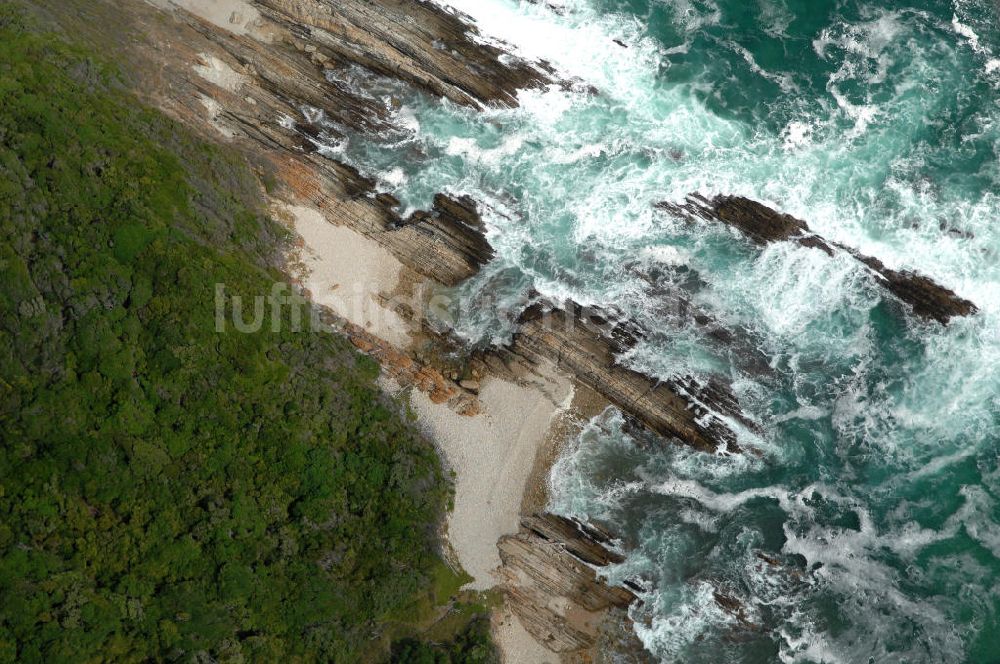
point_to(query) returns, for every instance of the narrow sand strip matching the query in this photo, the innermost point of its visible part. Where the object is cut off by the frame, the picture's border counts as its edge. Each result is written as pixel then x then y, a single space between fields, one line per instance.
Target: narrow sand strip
pixel 492 454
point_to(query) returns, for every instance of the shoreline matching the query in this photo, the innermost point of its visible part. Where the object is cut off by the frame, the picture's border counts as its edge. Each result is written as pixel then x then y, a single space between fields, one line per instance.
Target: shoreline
pixel 500 439
pixel 500 455
pixel 228 75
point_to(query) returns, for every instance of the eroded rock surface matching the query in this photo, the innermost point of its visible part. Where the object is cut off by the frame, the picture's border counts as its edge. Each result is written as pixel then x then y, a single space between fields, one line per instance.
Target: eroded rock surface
pixel 261 80
pixel 417 42
pixel 763 225
pixel 551 583
pixel 587 345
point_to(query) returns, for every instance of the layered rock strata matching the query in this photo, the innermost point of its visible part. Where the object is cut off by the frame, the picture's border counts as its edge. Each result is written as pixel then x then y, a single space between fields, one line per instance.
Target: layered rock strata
pixel 699 412
pixel 551 581
pixel 260 78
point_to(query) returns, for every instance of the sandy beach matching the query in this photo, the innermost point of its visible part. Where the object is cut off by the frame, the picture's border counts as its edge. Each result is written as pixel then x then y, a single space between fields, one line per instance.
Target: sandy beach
pixel 492 455
pixel 495 455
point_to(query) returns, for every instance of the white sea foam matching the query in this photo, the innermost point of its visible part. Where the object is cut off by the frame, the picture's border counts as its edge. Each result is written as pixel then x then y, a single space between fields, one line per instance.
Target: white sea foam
pixel 669 631
pixel 568 181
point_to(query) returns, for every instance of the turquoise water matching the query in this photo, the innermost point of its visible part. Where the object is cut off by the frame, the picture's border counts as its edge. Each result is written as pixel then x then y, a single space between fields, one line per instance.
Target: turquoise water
pixel 869 529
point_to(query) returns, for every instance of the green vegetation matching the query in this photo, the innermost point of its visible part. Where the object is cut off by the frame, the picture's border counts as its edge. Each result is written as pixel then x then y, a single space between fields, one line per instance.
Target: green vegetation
pixel 168 492
pixel 471 646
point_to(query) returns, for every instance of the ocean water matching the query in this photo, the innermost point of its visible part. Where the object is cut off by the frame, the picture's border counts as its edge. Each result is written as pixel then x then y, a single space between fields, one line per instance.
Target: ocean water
pixel 868 529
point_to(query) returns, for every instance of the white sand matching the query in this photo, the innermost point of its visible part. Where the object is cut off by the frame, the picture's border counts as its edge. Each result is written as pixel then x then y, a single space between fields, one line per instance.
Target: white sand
pixel 213 109
pixel 349 273
pixel 492 456
pixel 218 72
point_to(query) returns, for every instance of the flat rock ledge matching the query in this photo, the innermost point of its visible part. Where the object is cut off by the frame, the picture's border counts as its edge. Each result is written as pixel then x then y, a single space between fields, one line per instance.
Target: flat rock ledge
pixel 763 225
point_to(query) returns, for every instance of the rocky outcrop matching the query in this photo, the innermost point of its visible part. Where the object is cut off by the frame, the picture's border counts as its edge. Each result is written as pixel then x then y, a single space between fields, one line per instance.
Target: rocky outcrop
pixel 551 583
pixel 763 225
pixel 454 229
pixel 588 542
pixel 587 344
pixel 278 66
pixel 270 79
pixel 552 579
pixel 414 41
pixel 282 79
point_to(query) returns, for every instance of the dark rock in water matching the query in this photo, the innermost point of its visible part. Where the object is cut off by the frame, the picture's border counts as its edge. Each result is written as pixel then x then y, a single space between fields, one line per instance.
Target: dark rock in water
pixel 763 225
pixel 456 232
pixel 711 394
pixel 928 298
pixel 671 289
pixel 755 220
pixel 555 8
pixel 585 541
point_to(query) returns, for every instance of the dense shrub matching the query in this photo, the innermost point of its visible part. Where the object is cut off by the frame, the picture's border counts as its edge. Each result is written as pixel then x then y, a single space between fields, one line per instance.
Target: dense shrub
pixel 168 492
pixel 471 646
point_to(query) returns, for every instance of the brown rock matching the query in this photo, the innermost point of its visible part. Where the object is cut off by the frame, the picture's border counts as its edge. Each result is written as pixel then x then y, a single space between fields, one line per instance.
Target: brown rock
pixel 587 345
pixel 557 595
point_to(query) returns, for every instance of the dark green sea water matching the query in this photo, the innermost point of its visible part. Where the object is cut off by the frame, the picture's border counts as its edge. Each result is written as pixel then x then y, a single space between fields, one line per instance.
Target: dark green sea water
pixel 869 529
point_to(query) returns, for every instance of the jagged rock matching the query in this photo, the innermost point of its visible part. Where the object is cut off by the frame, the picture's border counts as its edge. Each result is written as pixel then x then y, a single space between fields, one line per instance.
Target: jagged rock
pixel 552 586
pixel 585 541
pixel 763 225
pixel 587 345
pixel 559 574
pixel 711 393
pixel 457 232
pixel 417 42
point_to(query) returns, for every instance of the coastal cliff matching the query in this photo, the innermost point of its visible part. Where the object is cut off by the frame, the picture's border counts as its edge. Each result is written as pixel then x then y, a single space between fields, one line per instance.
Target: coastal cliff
pixel 279 79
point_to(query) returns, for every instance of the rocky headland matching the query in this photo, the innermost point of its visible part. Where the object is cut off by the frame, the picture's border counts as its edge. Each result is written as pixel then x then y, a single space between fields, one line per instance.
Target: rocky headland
pixel 242 71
